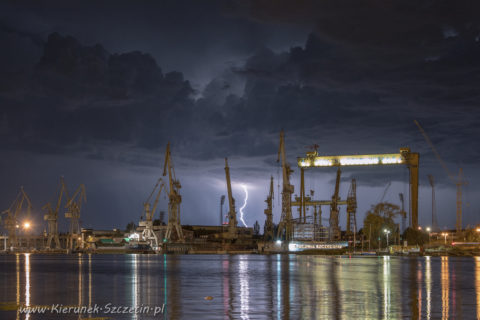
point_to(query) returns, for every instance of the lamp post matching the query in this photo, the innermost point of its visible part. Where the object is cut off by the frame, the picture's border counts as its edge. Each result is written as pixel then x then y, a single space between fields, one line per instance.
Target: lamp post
pixel 26 227
pixel 429 234
pixel 387 232
pixel 444 234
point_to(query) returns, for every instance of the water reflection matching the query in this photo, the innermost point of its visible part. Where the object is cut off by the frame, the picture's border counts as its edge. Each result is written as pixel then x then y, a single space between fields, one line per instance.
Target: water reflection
pixel 477 284
pixel 386 287
pixel 247 287
pixel 428 286
pixel 445 282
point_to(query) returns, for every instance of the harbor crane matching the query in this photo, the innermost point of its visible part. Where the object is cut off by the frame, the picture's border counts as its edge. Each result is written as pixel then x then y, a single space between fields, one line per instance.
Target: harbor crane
pixel 174 199
pixel 352 208
pixel 52 217
pixel 10 221
pixel 334 210
pixel 285 227
pixel 222 202
pixel 74 207
pixel 149 212
pixel 405 156
pixel 459 181
pixel 434 205
pixel 232 214
pixel 268 229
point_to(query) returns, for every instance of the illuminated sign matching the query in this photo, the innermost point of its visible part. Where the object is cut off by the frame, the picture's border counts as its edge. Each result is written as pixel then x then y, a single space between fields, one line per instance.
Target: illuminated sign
pixel 353 160
pixel 300 246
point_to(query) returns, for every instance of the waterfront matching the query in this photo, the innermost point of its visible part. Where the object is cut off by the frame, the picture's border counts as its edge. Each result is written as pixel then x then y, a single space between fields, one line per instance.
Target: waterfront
pixel 242 286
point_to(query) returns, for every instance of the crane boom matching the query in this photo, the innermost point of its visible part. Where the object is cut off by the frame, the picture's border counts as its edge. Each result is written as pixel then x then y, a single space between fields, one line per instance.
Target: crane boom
pixel 459 181
pixel 437 155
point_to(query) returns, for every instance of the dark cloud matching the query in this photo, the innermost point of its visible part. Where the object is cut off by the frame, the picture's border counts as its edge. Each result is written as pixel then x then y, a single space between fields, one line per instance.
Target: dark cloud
pixel 223 79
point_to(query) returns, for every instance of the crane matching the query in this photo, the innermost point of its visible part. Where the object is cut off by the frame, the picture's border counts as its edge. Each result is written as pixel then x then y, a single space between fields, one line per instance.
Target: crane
pixel 434 205
pixel 285 225
pixel 174 199
pixel 52 217
pixel 334 210
pixel 149 212
pixel 232 214
pixel 10 222
pixel 222 201
pixel 268 232
pixel 458 181
pixel 74 207
pixel 352 208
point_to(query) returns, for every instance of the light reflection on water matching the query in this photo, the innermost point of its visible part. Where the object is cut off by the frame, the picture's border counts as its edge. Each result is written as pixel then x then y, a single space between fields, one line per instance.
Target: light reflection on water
pixel 245 286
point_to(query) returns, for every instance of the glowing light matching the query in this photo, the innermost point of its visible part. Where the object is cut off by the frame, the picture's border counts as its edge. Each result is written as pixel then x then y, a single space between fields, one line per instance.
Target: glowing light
pixel 358 161
pixel 279 242
pixel 244 204
pixel 134 236
pixel 391 160
pixel 323 163
pixel 26 225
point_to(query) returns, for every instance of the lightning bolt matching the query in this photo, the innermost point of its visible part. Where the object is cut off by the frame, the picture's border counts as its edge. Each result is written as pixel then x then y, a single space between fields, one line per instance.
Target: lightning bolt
pixel 244 204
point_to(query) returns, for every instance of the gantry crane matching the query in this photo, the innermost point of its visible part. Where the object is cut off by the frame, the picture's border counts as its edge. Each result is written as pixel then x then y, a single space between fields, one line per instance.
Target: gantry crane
pixel 52 217
pixel 10 221
pixel 74 207
pixel 268 230
pixel 285 226
pixel 458 181
pixel 352 208
pixel 405 157
pixel 434 205
pixel 149 212
pixel 232 214
pixel 174 199
pixel 334 210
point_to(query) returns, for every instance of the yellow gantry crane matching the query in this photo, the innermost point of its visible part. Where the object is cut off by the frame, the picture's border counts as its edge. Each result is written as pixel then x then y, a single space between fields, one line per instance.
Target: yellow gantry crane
pixel 268 230
pixel 74 207
pixel 149 212
pixel 10 221
pixel 52 217
pixel 285 228
pixel 174 199
pixel 459 181
pixel 232 214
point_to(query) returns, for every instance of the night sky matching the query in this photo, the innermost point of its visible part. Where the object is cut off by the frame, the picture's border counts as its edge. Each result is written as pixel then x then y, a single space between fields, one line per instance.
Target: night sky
pixel 94 90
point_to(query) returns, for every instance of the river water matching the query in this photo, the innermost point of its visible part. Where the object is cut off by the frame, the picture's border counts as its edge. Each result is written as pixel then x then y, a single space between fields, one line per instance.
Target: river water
pixel 238 287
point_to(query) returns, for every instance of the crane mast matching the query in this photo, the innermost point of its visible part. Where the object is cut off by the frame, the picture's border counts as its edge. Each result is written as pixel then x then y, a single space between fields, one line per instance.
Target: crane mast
pixel 434 206
pixel 458 181
pixel 149 211
pixel 352 208
pixel 232 214
pixel 52 217
pixel 268 232
pixel 74 207
pixel 10 222
pixel 334 210
pixel 285 225
pixel 174 199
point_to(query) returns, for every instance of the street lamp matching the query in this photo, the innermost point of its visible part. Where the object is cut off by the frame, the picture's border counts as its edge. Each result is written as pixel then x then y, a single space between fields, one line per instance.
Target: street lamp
pixel 444 234
pixel 428 230
pixel 387 232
